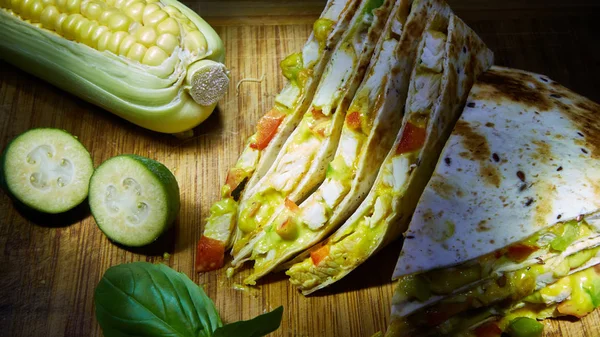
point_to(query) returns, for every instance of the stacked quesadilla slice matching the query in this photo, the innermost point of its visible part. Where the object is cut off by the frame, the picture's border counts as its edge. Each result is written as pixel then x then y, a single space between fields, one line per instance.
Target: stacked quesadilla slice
pixel 449 58
pixel 303 71
pixel 512 208
pixel 302 161
pixel 372 121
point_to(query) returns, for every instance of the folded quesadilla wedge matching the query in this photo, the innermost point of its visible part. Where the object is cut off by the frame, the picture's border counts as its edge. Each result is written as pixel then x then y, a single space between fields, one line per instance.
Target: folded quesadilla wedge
pixel 301 163
pixel 517 186
pixel 450 57
pixel 371 125
pixel 303 71
pixel 575 295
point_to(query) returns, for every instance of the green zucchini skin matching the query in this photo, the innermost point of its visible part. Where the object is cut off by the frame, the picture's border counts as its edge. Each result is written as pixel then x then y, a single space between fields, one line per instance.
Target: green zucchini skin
pixel 169 188
pixel 27 206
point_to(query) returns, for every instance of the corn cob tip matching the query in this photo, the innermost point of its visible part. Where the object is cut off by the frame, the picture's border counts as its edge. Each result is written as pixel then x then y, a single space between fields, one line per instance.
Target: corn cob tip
pixel 207 81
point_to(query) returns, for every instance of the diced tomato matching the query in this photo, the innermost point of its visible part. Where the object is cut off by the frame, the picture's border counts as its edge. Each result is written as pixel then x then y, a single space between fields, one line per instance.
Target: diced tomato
pixel 289 204
pixel 413 139
pixel 267 128
pixel 317 113
pixel 488 330
pixel 353 120
pixel 519 252
pixel 319 255
pixel 235 176
pixel 210 254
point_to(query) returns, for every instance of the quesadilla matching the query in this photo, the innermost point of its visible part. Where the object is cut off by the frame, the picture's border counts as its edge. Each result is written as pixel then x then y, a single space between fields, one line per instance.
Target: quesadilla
pixel 301 163
pixel 513 205
pixel 373 119
pixel 575 295
pixel 303 71
pixel 450 57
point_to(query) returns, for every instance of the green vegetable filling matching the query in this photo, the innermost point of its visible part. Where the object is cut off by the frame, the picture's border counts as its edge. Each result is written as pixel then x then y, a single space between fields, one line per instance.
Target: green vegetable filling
pixel 525 327
pixel 291 66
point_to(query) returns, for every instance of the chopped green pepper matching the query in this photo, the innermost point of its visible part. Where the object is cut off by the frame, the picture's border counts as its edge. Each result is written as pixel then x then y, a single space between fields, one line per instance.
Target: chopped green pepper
pixel 414 286
pixel 569 234
pixel 525 327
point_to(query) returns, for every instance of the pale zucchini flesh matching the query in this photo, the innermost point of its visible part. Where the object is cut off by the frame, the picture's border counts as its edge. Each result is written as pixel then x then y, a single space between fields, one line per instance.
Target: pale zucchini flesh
pixel 133 199
pixel 47 169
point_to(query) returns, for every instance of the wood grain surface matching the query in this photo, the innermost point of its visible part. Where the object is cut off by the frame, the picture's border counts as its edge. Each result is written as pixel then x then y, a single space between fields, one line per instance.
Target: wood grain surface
pixel 49 267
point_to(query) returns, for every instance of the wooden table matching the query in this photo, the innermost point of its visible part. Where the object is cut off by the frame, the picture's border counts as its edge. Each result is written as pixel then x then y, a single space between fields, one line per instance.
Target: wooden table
pixel 48 269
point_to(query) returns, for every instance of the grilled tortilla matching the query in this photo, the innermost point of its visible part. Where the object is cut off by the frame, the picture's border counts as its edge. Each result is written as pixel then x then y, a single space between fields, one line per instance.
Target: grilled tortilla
pixel 575 295
pixel 372 122
pixel 513 204
pixel 303 71
pixel 301 163
pixel 450 57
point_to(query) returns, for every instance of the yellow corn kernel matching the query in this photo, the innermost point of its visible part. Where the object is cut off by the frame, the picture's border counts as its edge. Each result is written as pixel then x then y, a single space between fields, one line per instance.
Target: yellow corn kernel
pixel 154 56
pixel 122 3
pixel 106 15
pixel 173 12
pixel 73 6
pixel 119 22
pixel 102 44
pixel 96 34
pixel 71 25
pixel 47 3
pixel 126 45
pixel 137 52
pixel 58 23
pixel 36 11
pixel 167 42
pixel 49 16
pixel 61 5
pixel 154 18
pixel 168 26
pixel 23 8
pixel 146 36
pixel 93 10
pixel 115 41
pixel 85 31
pixel 150 8
pixel 195 42
pixel 14 5
pixel 135 11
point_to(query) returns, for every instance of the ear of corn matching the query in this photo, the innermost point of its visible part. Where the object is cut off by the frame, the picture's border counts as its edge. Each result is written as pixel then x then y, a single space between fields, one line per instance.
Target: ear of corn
pixel 154 63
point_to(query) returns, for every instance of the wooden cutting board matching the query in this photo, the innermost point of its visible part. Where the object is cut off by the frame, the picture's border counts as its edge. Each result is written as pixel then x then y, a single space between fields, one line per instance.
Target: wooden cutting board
pixel 49 269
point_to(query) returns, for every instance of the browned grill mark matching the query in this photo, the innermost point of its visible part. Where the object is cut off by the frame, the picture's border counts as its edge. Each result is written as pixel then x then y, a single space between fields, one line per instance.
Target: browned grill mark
pixel 498 86
pixel 543 151
pixel 521 176
pixel 547 193
pixel 478 149
pixel 585 114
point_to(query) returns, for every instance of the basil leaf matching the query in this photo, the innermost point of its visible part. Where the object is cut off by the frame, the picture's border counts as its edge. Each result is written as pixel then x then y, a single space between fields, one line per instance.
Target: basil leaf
pixel 147 300
pixel 256 327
